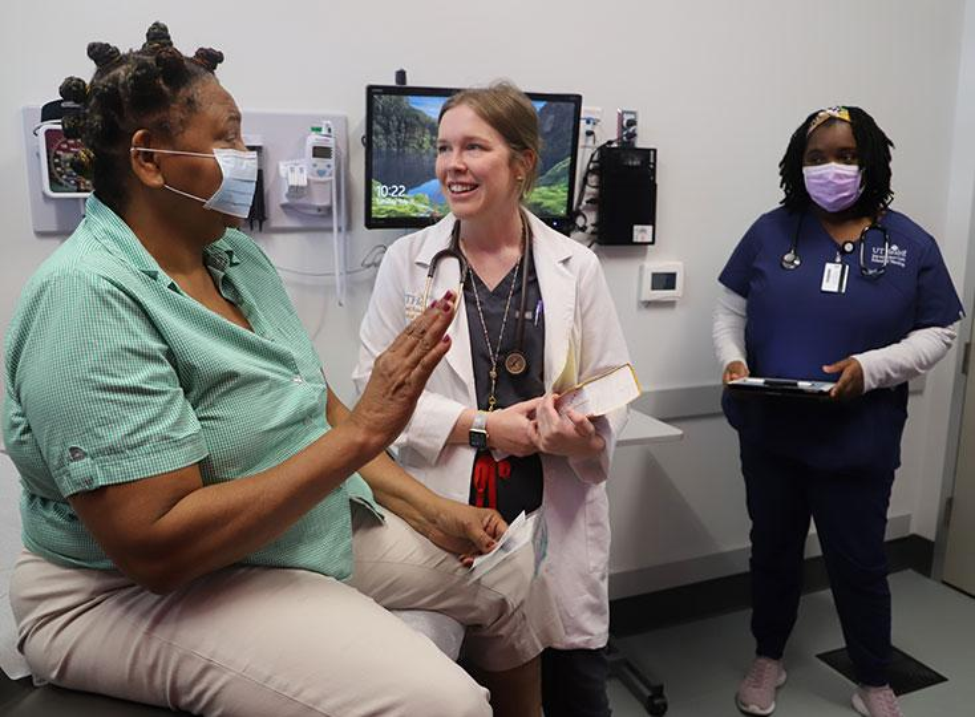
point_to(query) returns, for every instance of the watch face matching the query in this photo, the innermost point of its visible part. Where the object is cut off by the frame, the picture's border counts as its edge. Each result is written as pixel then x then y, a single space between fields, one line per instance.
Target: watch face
pixel 478 439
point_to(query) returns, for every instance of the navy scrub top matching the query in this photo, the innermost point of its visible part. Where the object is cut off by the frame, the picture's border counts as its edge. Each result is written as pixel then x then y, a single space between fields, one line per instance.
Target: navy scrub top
pixel 522 489
pixel 794 328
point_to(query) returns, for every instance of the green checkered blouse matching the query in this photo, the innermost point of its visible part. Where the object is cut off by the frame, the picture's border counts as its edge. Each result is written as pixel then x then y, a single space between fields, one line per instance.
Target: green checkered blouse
pixel 114 374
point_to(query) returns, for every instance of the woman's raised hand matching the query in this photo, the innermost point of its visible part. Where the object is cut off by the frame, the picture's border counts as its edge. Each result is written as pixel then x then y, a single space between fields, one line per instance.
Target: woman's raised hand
pixel 400 373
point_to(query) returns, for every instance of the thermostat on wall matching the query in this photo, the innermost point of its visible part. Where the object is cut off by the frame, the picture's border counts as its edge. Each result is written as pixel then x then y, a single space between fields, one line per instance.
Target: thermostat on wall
pixel 661 281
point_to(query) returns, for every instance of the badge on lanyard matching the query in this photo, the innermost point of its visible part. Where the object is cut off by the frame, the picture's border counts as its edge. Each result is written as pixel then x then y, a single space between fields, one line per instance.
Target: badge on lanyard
pixel 835 274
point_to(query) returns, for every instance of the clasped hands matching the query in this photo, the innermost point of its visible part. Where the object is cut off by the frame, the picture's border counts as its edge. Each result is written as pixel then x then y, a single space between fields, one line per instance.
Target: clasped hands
pixel 536 426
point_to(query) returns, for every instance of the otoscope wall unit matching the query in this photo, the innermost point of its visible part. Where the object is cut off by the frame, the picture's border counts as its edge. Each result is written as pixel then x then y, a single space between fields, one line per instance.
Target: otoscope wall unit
pixel 303 159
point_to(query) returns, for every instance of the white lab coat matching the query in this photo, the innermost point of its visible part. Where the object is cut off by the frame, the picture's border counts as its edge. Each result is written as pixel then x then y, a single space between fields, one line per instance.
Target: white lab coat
pixel 582 339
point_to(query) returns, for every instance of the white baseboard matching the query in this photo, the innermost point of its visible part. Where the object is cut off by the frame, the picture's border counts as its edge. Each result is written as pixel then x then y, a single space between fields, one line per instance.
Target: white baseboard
pixel 685 572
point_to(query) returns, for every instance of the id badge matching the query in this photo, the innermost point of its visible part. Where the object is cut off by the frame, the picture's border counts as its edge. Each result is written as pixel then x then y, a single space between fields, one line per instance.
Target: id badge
pixel 835 275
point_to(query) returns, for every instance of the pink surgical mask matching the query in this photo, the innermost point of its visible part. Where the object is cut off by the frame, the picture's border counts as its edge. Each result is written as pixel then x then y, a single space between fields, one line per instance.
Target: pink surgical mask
pixel 833 186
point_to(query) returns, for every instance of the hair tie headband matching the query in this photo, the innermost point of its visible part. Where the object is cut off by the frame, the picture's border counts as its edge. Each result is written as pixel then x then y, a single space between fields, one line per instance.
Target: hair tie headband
pixel 840 113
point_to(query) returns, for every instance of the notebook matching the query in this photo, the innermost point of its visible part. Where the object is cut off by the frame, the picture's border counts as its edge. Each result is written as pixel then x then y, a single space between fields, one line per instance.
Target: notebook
pixel 603 393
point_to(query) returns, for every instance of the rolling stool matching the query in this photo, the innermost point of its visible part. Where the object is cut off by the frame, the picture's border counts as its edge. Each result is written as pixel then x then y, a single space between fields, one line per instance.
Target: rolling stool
pixel 648 693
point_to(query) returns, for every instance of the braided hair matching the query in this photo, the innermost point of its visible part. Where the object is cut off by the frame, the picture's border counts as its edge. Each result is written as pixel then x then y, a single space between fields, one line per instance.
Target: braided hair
pixel 873 156
pixel 148 88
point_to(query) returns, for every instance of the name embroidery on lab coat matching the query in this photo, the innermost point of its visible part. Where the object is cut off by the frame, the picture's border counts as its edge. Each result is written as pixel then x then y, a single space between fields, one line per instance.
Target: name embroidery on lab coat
pixel 413 305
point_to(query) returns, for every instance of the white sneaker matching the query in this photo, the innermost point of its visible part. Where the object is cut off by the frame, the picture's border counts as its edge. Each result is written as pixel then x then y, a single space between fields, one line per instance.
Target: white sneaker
pixel 876 702
pixel 756 693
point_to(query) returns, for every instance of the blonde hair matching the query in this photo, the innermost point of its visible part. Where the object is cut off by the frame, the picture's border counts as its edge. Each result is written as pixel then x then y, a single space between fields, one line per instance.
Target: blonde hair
pixel 511 114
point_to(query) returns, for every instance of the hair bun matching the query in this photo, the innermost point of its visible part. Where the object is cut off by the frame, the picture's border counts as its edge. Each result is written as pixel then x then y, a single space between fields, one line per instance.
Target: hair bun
pixel 172 66
pixel 103 54
pixel 209 58
pixel 83 162
pixel 157 37
pixel 73 125
pixel 73 89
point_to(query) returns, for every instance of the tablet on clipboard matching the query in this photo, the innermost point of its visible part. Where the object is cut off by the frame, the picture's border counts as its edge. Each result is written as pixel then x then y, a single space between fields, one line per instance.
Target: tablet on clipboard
pixel 781 387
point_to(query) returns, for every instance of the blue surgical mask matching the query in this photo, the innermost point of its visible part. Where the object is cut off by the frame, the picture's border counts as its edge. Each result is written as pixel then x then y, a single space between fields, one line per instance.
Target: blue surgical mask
pixel 235 194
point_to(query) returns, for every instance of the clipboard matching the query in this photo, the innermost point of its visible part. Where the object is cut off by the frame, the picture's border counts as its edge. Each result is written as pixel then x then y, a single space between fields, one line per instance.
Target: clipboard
pixel 603 393
pixel 793 388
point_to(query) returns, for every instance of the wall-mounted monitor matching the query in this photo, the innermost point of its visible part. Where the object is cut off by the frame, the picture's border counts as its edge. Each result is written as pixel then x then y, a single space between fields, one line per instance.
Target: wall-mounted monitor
pixel 402 190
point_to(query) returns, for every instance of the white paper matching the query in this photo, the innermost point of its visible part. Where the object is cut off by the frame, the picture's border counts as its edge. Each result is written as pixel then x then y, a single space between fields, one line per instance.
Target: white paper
pixel 602 395
pixel 518 534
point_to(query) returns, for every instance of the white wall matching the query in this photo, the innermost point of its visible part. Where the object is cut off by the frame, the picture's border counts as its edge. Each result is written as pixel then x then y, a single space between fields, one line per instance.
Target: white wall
pixel 719 87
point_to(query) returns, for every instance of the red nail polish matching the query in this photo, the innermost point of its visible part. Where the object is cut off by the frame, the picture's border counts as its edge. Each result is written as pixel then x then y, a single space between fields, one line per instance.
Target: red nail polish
pixel 449 296
pixel 446 339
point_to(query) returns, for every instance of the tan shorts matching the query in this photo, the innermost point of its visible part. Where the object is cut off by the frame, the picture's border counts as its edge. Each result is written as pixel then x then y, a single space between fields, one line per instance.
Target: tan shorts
pixel 257 641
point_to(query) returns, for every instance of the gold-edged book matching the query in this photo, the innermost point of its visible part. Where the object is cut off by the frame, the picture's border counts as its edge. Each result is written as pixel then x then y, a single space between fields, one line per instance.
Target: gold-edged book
pixel 601 394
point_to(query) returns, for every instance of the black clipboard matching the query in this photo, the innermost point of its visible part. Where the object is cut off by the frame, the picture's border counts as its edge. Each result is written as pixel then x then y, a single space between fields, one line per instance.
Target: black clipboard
pixel 792 388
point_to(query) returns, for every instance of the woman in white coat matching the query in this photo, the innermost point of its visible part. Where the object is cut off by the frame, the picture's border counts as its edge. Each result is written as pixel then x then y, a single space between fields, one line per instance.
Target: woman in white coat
pixel 487 429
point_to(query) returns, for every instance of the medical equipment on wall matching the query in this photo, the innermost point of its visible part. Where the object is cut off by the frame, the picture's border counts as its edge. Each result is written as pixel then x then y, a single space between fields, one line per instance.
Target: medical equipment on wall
pixel 312 185
pixel 627 204
pixel 309 185
pixel 624 195
pixel 58 156
pixel 56 191
pixel 791 259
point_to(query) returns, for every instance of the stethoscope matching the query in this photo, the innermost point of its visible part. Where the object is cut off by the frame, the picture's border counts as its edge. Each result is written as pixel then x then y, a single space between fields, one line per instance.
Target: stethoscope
pixel 515 363
pixel 791 259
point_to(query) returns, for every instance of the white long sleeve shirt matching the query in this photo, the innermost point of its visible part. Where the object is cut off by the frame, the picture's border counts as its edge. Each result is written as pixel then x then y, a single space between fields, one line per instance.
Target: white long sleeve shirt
pixel 885 367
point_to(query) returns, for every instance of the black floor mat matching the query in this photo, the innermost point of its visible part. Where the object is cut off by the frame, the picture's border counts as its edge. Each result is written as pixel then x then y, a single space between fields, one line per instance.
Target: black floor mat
pixel 906 673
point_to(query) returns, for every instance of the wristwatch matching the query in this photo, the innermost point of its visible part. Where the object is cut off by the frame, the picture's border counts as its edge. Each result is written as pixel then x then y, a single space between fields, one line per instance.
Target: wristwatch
pixel 478 435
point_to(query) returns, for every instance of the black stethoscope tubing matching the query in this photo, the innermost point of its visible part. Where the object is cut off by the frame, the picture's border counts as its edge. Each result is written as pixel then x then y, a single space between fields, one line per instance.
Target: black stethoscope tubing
pixel 453 252
pixel 791 259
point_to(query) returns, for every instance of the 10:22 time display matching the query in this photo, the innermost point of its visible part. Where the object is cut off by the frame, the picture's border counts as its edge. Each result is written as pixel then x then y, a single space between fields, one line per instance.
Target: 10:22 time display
pixel 391 190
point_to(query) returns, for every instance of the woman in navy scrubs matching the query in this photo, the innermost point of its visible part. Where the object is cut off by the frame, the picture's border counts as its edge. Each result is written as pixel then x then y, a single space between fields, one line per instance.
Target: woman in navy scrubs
pixel 833 286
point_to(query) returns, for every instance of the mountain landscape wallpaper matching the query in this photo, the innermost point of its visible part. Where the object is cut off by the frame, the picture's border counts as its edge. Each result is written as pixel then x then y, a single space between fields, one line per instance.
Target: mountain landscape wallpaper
pixel 404 151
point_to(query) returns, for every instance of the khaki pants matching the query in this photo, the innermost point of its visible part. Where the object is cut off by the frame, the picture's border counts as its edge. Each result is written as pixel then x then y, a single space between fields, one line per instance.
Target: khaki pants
pixel 256 641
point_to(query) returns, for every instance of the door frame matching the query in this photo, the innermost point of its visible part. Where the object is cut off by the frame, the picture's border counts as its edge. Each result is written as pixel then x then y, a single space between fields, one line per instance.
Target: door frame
pixel 965 336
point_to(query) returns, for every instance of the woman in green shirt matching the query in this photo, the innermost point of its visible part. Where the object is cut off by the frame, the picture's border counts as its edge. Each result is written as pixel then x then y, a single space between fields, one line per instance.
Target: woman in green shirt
pixel 201 513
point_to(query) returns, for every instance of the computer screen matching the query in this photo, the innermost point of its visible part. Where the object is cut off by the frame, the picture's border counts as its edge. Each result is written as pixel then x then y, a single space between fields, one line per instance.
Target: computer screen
pixel 402 190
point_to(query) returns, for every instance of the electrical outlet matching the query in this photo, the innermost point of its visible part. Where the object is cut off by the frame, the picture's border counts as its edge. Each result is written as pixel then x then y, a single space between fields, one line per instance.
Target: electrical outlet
pixel 589 122
pixel 626 127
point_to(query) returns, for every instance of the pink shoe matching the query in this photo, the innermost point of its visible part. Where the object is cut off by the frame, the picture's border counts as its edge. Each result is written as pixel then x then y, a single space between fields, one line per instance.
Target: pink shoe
pixel 876 702
pixel 756 694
